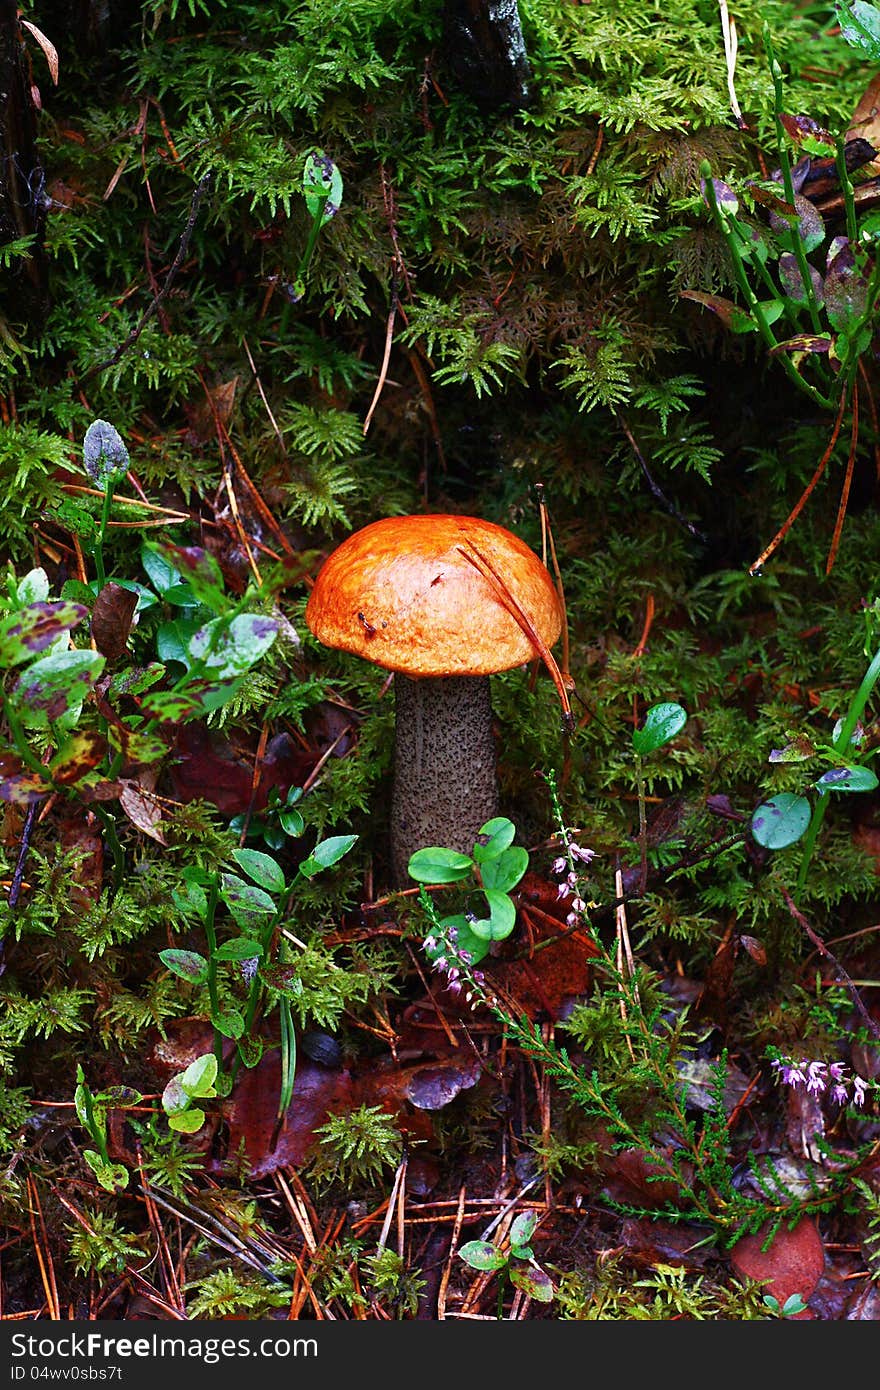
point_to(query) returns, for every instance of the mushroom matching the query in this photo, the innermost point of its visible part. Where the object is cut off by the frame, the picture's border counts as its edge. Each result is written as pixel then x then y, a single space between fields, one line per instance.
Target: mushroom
pixel 442 601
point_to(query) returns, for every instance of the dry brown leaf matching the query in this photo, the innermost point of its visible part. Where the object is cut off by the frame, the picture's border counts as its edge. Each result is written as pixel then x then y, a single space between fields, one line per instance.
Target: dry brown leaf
pixel 143 810
pixel 47 46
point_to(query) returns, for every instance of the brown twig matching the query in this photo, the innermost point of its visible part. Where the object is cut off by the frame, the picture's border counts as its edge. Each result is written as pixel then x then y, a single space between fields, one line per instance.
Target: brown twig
pixel 805 495
pixel 847 482
pixel 201 190
pixel 823 950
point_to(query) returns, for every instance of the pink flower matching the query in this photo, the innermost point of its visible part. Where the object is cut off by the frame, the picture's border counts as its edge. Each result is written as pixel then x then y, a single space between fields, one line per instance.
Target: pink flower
pixel 860 1086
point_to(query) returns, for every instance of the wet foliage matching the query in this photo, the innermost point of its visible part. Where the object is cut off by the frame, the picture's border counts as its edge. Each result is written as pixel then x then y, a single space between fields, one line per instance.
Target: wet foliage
pixel 607 277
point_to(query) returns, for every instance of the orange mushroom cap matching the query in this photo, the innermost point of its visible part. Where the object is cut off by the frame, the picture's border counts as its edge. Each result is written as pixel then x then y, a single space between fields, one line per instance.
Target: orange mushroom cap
pixel 435 596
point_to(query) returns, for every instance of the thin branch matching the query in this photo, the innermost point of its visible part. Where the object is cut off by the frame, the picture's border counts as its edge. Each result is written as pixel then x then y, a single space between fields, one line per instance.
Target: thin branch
pixel 823 950
pixel 201 190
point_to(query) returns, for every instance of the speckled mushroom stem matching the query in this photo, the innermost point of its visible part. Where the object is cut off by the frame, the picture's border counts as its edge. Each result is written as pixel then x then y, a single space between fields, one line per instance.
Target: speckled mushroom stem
pixel 445 783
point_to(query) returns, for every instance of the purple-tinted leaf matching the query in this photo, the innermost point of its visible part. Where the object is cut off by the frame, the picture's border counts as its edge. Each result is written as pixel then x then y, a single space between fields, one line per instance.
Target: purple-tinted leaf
pixel 189 965
pixel 724 195
pixel 24 634
pixel 523 1228
pixel 249 905
pixel 804 131
pixel 804 342
pixel 846 290
pixel 77 756
pixel 847 779
pixel 231 649
pixel 479 1254
pixel 18 785
pixel 104 454
pixel 781 821
pixel 793 282
pixel 58 683
pixel 810 226
pixel 201 571
pixel 533 1282
pixel 797 751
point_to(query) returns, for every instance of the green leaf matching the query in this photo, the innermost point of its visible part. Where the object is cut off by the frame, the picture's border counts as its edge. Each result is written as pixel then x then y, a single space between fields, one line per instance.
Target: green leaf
pixel 239 948
pixel 50 688
pixel 523 1228
pixel 161 573
pixel 249 906
pixel 112 1176
pixel 200 572
pixel 229 1022
pixel 502 917
pixel 174 1098
pixel 262 868
pixel 326 853
pixel 533 1281
pixel 662 723
pixel 437 865
pixel 187 1121
pixel 860 26
pixel 465 939
pixel 322 186
pixel 35 628
pixel 190 899
pixel 230 649
pixel 292 822
pixel 493 838
pixel 189 965
pixel 781 821
pixel 34 586
pixel 847 779
pixel 505 872
pixel 479 1254
pixel 200 1075
pixel 250 1049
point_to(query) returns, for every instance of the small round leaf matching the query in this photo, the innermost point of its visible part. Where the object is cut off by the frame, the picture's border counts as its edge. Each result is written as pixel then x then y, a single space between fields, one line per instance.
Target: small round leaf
pixel 781 821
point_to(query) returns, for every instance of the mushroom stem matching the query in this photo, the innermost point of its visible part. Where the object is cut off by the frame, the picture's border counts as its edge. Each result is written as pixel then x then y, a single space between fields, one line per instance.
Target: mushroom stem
pixel 445 784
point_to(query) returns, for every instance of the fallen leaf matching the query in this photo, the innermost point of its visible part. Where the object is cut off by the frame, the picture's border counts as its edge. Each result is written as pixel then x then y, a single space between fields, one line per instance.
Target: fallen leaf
pixel 77 832
pixel 317 1093
pixel 111 619
pixel 48 47
pixel 433 1085
pixel 792 1263
pixel 143 810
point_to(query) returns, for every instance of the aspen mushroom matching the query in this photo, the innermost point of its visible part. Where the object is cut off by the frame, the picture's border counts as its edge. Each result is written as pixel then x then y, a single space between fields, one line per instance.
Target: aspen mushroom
pixel 443 602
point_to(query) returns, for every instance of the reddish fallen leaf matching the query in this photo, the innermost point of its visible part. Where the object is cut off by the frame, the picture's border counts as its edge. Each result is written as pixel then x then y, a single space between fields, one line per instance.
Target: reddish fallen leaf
pixel 792 1263
pixel 207 767
pixel 653 1242
pixel 864 1304
pixel 755 949
pixel 631 1178
pixel 77 832
pixel 866 119
pixel 553 965
pixel 867 837
pixel 318 1092
pixel 111 619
